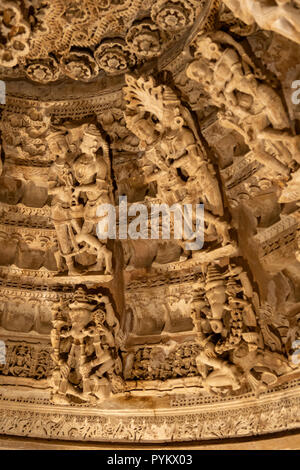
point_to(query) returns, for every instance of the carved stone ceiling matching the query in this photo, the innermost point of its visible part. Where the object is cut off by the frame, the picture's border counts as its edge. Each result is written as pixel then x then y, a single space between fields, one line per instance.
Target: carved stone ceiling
pixel 144 337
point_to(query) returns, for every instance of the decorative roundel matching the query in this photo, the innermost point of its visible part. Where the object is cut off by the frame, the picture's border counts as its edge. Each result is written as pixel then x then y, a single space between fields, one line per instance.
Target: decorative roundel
pixel 114 57
pixel 172 15
pixel 79 65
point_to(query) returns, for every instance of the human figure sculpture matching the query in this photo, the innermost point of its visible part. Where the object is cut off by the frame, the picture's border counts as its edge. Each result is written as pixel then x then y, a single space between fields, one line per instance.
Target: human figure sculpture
pixel 223 375
pixel 65 217
pixel 261 368
pixel 174 155
pixel 253 109
pixel 281 16
pixel 170 140
pixel 223 319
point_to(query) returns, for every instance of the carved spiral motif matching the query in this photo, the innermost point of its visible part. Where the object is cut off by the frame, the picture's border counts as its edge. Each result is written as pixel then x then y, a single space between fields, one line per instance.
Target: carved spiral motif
pixel 144 39
pixel 14 34
pixel 114 57
pixel 79 66
pixel 172 15
pixel 42 70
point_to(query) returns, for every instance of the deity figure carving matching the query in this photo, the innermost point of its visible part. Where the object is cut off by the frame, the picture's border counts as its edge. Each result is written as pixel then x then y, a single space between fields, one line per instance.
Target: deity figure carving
pixel 86 337
pixel 281 16
pixel 1 163
pixel 253 109
pixel 230 337
pixel 61 182
pixel 92 174
pixel 79 183
pixel 181 323
pixel 261 368
pixel 174 156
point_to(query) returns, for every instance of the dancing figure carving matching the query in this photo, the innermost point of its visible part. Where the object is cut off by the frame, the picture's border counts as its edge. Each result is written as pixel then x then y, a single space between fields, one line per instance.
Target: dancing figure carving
pixel 85 338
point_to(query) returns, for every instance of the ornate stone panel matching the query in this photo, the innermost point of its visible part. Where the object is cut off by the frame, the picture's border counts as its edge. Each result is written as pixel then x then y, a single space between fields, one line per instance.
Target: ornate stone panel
pixel 139 329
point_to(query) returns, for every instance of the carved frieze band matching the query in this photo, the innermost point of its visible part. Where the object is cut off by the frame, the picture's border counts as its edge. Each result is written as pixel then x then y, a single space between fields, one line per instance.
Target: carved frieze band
pixel 274 414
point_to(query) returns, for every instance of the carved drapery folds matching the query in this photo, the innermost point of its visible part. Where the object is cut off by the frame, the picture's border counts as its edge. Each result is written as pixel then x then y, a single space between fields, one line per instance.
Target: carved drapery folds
pixel 158 102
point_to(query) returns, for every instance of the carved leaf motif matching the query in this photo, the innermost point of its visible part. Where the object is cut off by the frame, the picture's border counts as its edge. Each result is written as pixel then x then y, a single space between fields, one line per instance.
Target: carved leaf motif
pixel 141 94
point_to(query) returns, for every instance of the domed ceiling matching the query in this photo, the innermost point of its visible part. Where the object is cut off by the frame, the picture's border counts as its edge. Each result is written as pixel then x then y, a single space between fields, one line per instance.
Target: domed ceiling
pixel 48 41
pixel 132 109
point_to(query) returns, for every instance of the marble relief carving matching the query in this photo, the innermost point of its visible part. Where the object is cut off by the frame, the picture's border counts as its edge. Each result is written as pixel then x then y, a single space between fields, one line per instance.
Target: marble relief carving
pixel 161 102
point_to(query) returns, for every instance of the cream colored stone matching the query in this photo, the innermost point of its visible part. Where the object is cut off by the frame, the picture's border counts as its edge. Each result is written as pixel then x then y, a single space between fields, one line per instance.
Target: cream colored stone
pixel 144 340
